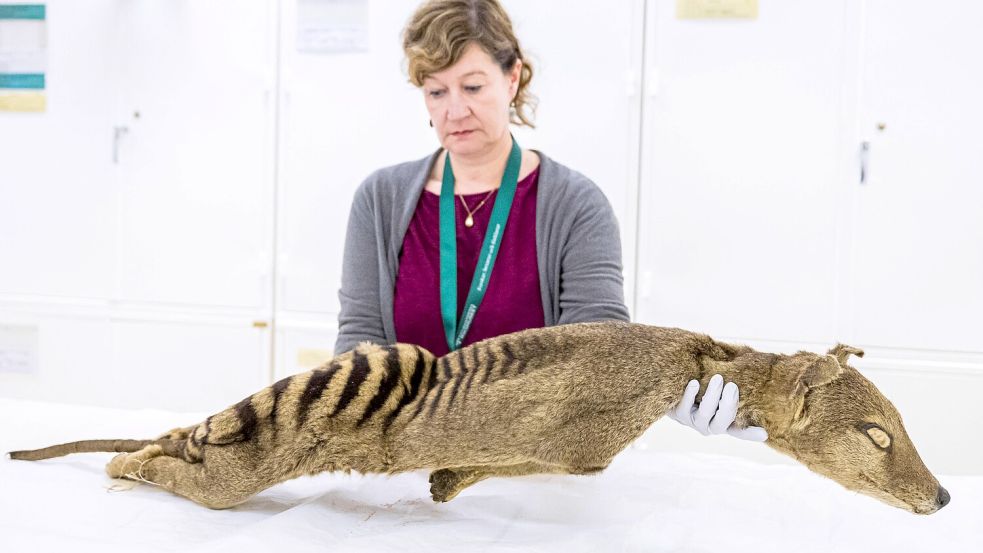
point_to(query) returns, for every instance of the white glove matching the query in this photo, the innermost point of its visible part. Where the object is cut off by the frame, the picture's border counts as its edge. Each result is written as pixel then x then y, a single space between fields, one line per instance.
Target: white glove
pixel 717 411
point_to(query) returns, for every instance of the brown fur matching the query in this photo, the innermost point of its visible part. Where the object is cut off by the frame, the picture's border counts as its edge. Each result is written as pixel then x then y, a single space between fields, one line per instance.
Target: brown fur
pixel 563 399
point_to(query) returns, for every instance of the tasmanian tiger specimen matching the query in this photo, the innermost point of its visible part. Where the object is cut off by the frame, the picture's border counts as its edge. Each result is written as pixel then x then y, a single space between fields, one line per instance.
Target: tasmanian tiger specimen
pixel 563 399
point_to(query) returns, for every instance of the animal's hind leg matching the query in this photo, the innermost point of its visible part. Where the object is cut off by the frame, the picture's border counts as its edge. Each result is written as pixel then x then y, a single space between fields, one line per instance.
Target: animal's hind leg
pixel 127 465
pixel 219 483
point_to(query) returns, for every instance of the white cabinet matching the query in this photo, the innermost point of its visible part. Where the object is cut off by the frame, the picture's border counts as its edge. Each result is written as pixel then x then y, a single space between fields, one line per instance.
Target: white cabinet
pixel 343 115
pixel 57 200
pixel 587 60
pixel 736 214
pixel 917 253
pixel 753 221
pixel 195 163
pixel 159 243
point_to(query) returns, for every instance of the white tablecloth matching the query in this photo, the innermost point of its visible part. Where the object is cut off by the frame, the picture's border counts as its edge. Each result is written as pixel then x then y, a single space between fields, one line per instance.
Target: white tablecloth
pixel 645 501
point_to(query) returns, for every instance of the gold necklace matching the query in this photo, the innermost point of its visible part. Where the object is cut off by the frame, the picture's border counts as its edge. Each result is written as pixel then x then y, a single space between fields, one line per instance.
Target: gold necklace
pixel 469 222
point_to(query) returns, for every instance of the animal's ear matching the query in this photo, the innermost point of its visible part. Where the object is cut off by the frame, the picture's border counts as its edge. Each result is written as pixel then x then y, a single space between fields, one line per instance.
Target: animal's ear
pixel 820 372
pixel 843 351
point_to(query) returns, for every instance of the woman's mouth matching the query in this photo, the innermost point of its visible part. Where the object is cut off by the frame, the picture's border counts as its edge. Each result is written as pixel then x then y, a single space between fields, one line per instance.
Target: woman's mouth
pixel 461 134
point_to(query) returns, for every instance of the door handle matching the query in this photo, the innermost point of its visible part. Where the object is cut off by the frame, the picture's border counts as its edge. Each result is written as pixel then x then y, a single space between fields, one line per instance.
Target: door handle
pixel 864 160
pixel 118 132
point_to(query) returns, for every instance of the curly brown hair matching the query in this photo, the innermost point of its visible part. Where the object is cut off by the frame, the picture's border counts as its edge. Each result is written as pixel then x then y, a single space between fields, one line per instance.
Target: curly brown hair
pixel 440 30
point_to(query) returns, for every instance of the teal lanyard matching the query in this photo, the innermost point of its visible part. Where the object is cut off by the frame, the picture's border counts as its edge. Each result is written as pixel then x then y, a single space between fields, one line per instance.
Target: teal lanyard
pixel 489 250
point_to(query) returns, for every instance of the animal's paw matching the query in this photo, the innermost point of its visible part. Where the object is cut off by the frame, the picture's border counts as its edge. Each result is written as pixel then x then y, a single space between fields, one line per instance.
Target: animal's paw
pixel 128 465
pixel 445 484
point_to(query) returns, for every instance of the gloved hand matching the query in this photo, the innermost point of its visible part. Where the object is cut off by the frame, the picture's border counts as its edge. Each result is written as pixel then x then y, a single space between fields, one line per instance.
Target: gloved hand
pixel 717 411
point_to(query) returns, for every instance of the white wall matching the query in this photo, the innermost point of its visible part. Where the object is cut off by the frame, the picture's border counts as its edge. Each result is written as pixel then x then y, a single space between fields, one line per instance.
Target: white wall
pixel 204 262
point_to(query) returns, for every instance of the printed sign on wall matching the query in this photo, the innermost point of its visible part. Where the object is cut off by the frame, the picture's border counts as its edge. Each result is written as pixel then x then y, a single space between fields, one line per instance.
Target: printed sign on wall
pixel 23 57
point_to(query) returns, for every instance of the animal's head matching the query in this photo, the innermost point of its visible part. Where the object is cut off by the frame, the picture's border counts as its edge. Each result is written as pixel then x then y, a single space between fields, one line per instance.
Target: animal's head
pixel 838 424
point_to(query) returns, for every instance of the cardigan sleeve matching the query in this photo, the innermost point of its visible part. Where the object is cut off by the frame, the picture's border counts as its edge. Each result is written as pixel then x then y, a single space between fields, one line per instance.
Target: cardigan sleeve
pixel 360 316
pixel 591 280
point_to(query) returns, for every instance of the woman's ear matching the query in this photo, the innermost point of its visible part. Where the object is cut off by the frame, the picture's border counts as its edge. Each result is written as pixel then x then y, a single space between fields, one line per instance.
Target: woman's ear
pixel 514 75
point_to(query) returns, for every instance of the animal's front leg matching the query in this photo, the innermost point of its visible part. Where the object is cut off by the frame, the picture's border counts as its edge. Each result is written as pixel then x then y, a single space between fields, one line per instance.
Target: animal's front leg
pixel 445 484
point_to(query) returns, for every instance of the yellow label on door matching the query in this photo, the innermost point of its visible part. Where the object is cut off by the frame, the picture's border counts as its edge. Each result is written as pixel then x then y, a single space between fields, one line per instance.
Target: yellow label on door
pixel 717 9
pixel 23 101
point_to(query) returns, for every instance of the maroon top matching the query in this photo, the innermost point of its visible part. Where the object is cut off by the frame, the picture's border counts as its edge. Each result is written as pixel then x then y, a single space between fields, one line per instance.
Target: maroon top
pixel 512 300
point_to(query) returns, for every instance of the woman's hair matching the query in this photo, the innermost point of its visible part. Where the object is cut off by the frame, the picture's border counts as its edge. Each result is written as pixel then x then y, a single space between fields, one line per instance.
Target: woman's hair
pixel 440 30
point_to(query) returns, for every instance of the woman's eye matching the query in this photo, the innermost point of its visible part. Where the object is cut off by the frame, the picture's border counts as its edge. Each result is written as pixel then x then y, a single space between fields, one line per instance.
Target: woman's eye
pixel 473 89
pixel 435 93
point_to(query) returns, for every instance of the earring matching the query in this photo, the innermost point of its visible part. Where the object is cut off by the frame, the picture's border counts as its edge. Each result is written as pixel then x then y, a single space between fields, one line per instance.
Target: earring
pixel 431 123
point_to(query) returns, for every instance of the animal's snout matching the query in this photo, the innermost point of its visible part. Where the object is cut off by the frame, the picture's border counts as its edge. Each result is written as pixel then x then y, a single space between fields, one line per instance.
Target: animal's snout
pixel 943 497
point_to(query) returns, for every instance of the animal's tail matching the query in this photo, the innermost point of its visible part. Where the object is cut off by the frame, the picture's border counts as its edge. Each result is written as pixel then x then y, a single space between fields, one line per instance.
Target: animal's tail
pixel 91 446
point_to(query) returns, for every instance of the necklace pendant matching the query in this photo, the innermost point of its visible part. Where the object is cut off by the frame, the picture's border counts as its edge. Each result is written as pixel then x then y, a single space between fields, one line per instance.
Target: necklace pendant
pixel 469 222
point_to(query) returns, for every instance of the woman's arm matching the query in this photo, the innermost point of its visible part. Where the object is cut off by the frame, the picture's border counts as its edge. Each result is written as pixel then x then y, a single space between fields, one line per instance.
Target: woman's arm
pixel 591 282
pixel 360 318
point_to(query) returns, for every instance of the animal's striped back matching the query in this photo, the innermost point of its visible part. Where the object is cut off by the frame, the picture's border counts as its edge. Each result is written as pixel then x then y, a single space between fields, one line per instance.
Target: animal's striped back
pixel 370 385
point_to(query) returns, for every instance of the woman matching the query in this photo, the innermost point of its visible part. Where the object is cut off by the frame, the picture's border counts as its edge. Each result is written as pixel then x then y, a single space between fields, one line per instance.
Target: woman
pixel 480 238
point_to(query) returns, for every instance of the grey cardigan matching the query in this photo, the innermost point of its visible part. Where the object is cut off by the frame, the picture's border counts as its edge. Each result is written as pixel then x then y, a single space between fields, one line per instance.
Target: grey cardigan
pixel 578 249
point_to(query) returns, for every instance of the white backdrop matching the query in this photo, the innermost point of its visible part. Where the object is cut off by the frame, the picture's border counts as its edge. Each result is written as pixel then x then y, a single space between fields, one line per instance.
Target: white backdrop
pixel 204 262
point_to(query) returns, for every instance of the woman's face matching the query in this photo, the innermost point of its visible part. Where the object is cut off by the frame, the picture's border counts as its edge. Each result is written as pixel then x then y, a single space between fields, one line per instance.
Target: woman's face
pixel 469 102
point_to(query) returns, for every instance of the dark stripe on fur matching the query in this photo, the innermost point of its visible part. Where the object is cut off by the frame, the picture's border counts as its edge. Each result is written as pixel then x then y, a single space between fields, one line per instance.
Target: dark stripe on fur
pixel 462 369
pixel 386 385
pixel 475 362
pixel 431 381
pixel 208 431
pixel 410 394
pixel 436 400
pixel 360 370
pixel 278 389
pixel 510 360
pixel 489 358
pixel 521 366
pixel 462 365
pixel 319 380
pixel 246 414
pixel 457 384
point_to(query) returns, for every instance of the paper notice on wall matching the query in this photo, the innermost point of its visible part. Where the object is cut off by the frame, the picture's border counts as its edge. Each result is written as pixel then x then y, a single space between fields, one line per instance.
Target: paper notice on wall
pixel 18 349
pixel 332 26
pixel 23 57
pixel 717 9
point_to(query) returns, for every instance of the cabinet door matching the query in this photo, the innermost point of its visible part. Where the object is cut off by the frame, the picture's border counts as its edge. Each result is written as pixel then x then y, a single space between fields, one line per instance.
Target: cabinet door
pixel 344 115
pixel 918 231
pixel 195 181
pixel 587 70
pixel 737 232
pixel 57 208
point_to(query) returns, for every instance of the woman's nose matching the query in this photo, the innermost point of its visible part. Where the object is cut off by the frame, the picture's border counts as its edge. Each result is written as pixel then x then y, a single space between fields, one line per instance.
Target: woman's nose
pixel 458 108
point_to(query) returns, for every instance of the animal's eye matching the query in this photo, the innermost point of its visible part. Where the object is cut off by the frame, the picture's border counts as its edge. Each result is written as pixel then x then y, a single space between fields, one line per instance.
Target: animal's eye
pixel 877 435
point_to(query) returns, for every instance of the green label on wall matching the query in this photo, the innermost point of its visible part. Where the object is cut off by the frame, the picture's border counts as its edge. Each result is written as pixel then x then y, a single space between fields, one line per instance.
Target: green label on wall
pixel 22 11
pixel 22 80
